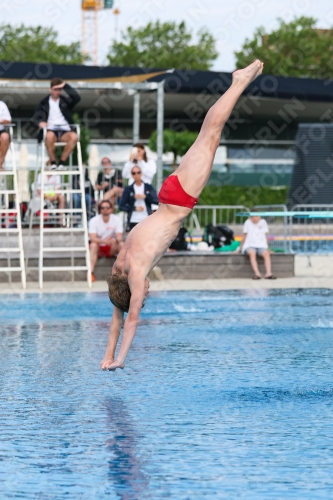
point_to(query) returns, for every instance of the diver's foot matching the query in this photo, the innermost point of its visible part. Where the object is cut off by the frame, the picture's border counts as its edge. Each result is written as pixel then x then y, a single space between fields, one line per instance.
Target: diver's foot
pixel 247 75
pixel 116 365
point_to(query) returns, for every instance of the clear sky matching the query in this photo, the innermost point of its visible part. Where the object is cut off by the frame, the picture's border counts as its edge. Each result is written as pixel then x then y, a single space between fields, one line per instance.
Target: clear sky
pixel 230 21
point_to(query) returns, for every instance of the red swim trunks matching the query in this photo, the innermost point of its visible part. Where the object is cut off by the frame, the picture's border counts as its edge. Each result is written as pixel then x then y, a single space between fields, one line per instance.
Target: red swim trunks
pixel 105 251
pixel 172 193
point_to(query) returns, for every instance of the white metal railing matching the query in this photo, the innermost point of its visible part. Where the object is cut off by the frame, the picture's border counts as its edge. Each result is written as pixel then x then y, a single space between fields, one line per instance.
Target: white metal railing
pixel 63 222
pixel 311 236
pixel 10 219
pixel 202 215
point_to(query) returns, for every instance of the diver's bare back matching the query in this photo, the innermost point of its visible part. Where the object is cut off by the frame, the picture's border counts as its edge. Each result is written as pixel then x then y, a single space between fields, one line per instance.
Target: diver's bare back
pixel 148 241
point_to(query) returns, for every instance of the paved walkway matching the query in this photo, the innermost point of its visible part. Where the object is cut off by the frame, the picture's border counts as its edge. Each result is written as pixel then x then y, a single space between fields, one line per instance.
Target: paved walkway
pixel 231 284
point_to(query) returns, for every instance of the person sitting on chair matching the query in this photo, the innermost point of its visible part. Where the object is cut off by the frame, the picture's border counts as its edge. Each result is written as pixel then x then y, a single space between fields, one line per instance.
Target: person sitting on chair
pixel 89 192
pixel 106 235
pixel 109 181
pixel 255 243
pixel 52 184
pixel 137 199
pixel 54 113
pixel 5 118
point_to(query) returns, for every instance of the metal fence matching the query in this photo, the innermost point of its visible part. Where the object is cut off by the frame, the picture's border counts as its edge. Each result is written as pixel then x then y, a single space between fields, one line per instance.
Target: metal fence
pixel 286 234
pixel 202 215
pixel 311 236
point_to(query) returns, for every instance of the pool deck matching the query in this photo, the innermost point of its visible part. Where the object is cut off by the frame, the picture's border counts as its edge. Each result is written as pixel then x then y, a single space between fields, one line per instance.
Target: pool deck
pixel 319 274
pixel 169 285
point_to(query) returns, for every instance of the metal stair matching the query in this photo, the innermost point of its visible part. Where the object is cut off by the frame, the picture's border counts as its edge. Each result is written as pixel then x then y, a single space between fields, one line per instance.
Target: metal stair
pixel 9 187
pixel 64 218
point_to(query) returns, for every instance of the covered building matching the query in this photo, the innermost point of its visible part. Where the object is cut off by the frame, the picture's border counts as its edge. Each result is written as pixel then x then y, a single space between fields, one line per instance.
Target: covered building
pixel 258 140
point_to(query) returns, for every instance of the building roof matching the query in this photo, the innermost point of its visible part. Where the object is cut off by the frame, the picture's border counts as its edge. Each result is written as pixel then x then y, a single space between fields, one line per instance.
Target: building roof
pixel 187 81
pixel 272 90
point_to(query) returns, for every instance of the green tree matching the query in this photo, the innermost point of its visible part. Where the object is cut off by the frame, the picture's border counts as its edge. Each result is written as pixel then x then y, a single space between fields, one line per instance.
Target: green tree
pixel 38 45
pixel 177 143
pixel 296 49
pixel 164 45
pixel 84 140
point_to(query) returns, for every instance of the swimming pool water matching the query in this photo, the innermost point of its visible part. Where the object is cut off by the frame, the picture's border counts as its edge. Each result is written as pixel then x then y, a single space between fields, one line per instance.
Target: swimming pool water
pixel 225 395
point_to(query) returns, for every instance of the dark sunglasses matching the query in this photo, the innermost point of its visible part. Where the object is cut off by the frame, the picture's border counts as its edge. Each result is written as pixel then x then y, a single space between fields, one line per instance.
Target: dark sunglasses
pixel 136 173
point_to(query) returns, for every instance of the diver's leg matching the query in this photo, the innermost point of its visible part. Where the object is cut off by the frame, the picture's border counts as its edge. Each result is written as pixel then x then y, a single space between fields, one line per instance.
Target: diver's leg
pixel 196 166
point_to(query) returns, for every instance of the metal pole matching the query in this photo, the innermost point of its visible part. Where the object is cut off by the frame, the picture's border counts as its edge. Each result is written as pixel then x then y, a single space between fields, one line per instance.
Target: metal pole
pixel 96 39
pixel 136 118
pixel 160 127
pixel 83 48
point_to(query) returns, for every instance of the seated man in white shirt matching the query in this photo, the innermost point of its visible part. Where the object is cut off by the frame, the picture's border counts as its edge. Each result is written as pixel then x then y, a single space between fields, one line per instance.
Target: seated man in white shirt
pixel 255 242
pixel 5 118
pixel 106 235
pixel 54 113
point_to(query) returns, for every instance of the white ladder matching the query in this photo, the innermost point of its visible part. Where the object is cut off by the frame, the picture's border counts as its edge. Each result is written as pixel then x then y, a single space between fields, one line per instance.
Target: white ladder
pixel 4 199
pixel 69 212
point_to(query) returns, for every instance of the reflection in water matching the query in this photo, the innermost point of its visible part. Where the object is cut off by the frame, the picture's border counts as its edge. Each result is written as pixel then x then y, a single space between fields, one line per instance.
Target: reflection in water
pixel 125 467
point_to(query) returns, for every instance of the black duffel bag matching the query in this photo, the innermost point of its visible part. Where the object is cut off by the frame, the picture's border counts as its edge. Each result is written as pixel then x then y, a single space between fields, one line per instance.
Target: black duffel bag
pixel 218 236
pixel 180 242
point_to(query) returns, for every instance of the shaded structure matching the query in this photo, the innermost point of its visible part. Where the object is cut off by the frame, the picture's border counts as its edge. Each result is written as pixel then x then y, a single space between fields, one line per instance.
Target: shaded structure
pixel 312 179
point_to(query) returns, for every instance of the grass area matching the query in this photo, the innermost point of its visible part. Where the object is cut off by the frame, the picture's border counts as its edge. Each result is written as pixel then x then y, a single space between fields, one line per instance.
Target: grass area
pixel 243 195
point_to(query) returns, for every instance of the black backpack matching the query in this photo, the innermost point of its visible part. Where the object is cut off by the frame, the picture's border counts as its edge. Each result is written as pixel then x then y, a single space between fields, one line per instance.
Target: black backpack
pixel 218 236
pixel 180 242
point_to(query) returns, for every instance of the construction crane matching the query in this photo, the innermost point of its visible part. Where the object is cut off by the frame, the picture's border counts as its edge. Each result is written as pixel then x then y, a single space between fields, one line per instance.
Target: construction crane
pixel 90 10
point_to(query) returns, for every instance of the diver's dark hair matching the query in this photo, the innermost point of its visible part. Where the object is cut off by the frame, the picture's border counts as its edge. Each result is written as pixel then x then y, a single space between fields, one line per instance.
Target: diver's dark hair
pixel 119 291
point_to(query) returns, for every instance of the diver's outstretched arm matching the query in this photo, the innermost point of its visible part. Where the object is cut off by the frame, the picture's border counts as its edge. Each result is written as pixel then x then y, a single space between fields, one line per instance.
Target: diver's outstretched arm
pixel 115 327
pixel 137 287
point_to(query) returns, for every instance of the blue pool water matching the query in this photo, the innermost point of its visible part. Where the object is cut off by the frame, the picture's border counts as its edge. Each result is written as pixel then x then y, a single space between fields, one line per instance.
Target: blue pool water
pixel 226 395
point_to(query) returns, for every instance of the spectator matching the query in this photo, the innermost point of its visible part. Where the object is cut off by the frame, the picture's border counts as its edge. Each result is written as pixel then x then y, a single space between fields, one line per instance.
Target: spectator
pixel 106 235
pixel 89 193
pixel 5 118
pixel 109 181
pixel 52 184
pixel 137 199
pixel 54 113
pixel 255 242
pixel 139 157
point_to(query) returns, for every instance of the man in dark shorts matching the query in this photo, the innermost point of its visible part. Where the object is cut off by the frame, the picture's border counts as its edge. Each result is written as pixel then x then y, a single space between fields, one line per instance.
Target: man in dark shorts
pixel 5 119
pixel 149 240
pixel 54 113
